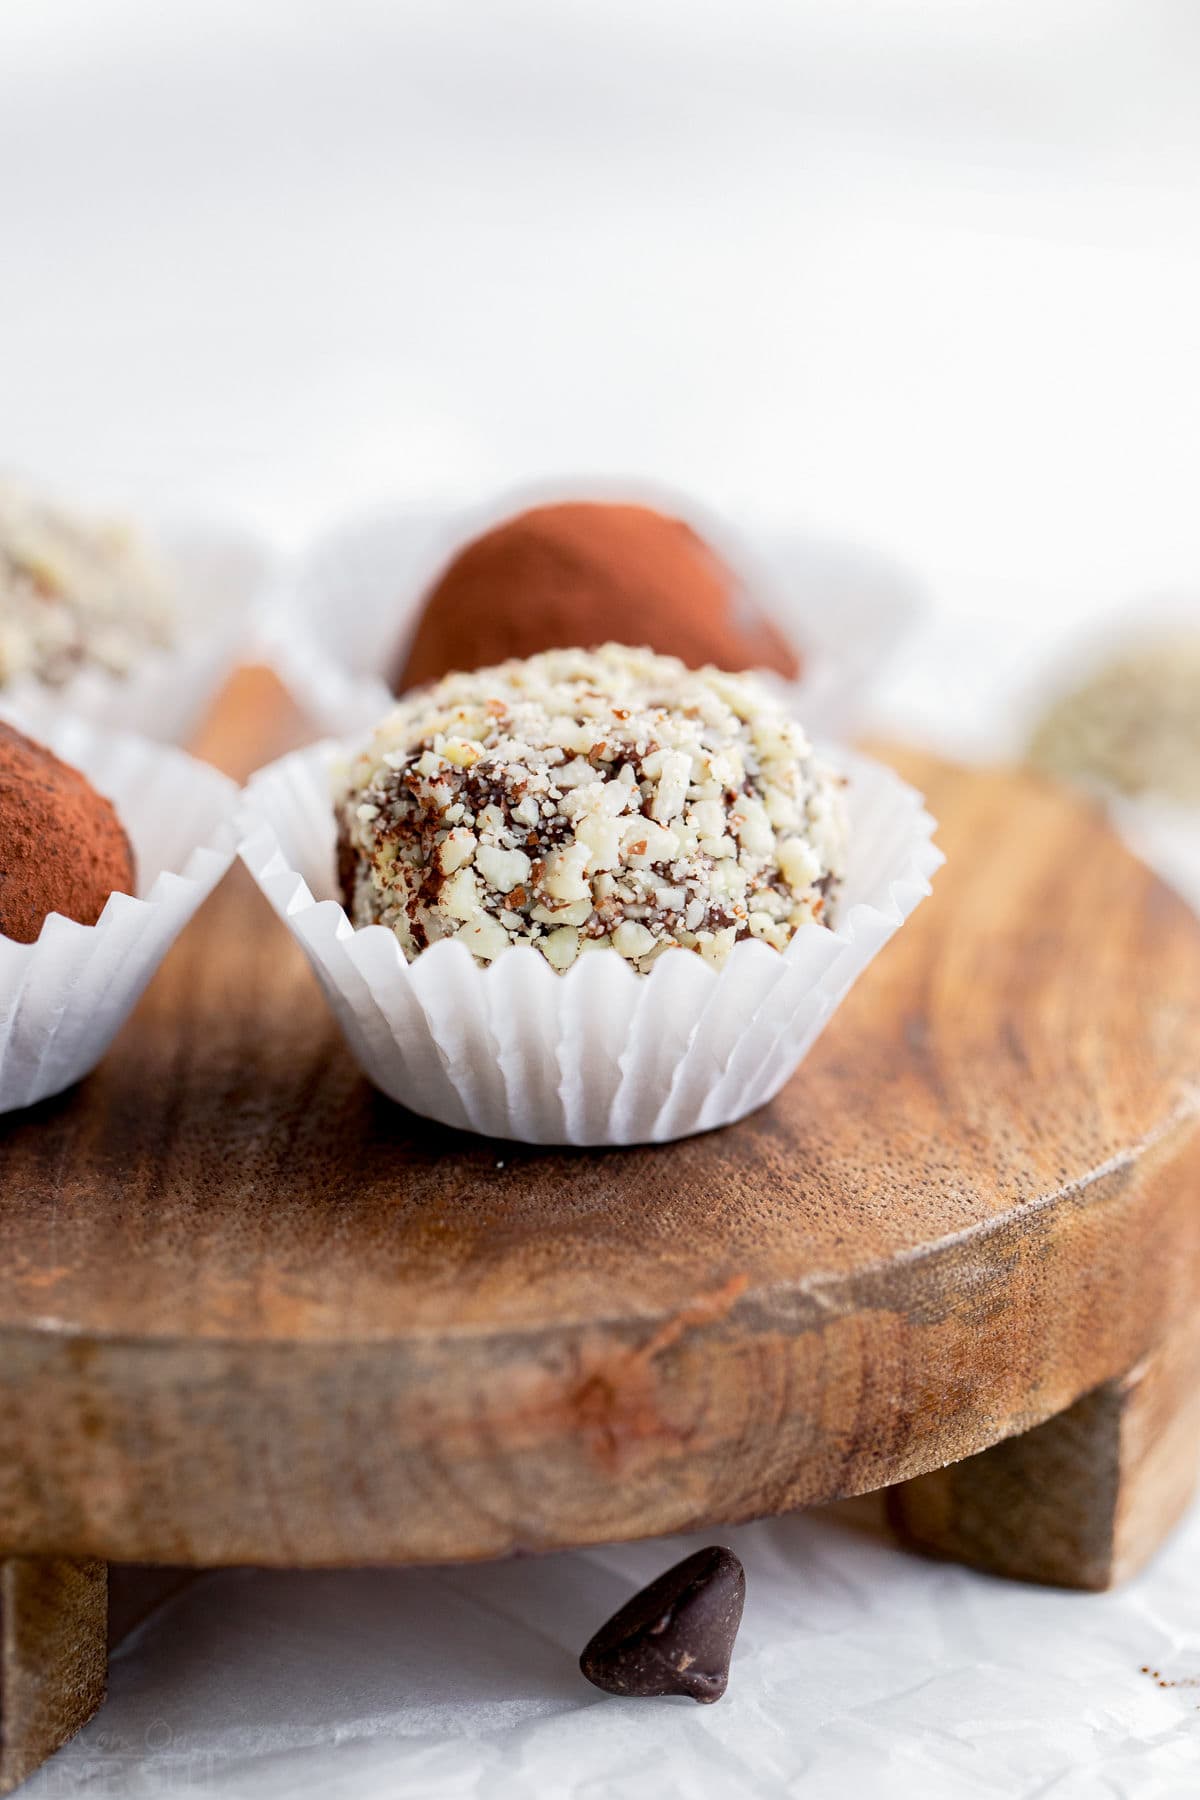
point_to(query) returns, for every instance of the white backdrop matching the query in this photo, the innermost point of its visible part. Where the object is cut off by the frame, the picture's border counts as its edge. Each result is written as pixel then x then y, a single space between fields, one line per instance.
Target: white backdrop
pixel 919 272
pixel 859 1671
pixel 923 272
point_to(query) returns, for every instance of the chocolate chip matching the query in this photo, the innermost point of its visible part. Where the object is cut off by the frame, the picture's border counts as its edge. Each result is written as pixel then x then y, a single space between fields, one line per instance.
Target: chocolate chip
pixel 675 1636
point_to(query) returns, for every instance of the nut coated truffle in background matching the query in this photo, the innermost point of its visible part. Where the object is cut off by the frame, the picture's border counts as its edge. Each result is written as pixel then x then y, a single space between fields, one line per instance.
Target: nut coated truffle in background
pixel 582 573
pixel 1133 725
pixel 75 593
pixel 580 800
pixel 62 847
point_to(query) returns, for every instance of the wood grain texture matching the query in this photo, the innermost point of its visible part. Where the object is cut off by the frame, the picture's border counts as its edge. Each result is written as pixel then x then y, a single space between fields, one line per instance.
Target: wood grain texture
pixel 1081 1501
pixel 257 1313
pixel 53 1658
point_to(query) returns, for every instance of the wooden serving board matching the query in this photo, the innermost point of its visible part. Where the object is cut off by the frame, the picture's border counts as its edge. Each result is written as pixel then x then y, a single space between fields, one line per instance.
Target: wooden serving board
pixel 252 1312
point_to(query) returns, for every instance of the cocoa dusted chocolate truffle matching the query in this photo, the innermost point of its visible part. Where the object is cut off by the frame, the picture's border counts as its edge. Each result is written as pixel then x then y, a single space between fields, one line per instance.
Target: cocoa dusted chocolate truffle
pixel 62 847
pixel 588 572
pixel 579 800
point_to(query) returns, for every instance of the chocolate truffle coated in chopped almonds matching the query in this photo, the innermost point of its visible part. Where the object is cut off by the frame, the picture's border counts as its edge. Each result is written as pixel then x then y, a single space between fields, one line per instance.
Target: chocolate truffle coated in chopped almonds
pixel 1134 722
pixel 578 800
pixel 75 593
pixel 586 572
pixel 62 847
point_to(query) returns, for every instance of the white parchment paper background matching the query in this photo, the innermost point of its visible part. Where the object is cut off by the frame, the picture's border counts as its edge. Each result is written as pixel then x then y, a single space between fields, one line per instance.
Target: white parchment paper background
pixel 859 1671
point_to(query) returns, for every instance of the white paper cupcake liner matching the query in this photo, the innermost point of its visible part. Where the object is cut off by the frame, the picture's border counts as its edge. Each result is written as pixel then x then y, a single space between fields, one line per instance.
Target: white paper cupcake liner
pixel 1164 832
pixel 64 998
pixel 600 1055
pixel 218 577
pixel 338 615
pixel 1166 836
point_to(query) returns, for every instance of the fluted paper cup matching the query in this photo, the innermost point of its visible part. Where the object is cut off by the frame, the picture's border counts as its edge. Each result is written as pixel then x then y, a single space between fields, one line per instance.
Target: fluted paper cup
pixel 1166 836
pixel 339 614
pixel 600 1054
pixel 217 577
pixel 1163 830
pixel 64 998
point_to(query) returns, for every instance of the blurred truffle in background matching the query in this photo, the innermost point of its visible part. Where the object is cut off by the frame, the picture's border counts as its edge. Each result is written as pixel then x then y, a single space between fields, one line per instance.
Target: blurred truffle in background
pixel 75 592
pixel 1132 727
pixel 577 574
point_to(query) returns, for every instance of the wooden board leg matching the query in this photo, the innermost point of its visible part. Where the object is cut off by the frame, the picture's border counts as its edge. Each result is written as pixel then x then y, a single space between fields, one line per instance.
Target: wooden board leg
pixel 53 1657
pixel 1081 1501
